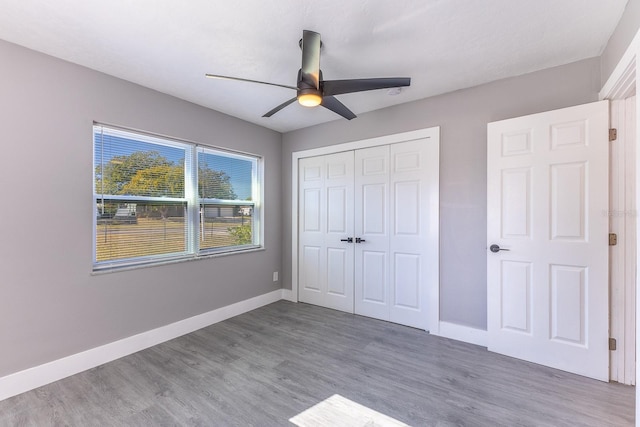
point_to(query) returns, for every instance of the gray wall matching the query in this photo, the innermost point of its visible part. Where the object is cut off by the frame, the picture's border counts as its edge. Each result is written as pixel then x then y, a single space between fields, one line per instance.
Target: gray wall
pixel 621 38
pixel 462 117
pixel 50 304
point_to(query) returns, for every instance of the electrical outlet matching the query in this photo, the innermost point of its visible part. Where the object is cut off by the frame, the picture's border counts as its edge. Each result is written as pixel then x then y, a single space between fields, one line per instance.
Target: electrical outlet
pixel 275 276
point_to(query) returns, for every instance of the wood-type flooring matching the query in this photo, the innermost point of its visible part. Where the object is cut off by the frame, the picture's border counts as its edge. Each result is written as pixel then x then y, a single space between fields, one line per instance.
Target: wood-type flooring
pixel 266 366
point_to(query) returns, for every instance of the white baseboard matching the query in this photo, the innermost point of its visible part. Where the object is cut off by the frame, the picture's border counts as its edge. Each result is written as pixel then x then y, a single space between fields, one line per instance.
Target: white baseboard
pixel 38 376
pixel 463 333
pixel 287 294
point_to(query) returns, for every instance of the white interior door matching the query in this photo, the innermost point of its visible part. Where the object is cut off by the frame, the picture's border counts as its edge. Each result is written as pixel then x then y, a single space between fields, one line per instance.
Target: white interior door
pixel 326 222
pixel 547 286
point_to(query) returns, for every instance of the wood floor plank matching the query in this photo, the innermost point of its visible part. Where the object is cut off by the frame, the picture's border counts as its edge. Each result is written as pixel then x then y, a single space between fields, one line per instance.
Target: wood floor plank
pixel 268 365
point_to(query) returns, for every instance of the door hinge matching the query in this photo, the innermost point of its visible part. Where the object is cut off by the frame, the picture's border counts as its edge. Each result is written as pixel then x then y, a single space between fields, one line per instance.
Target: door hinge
pixel 613 239
pixel 612 344
pixel 613 134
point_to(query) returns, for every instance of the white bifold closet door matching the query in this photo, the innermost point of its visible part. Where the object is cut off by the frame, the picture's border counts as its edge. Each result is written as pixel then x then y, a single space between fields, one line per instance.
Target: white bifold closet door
pixel 325 221
pixel 365 217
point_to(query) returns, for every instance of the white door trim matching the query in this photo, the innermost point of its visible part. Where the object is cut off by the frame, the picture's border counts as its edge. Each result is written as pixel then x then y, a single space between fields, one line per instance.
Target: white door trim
pixel 431 133
pixel 621 84
pixel 622 221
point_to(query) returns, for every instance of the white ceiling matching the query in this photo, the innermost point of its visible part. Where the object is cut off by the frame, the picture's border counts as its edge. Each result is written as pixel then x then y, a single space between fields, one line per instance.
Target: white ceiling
pixel 443 45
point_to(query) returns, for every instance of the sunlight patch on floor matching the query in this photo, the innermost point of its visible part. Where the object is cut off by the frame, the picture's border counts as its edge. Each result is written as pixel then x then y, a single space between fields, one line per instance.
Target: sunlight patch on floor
pixel 339 411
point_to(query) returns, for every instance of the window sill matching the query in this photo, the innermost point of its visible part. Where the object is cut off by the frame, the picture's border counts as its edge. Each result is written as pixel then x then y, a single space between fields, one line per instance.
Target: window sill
pixel 188 258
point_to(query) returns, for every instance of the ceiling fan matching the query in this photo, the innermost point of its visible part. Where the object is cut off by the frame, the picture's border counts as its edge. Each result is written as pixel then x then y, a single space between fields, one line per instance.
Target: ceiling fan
pixel 312 90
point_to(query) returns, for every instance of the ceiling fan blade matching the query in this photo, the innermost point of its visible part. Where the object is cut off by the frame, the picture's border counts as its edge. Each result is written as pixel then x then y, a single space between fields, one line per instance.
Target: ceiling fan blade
pixel 337 87
pixel 215 76
pixel 337 107
pixel 279 107
pixel 311 58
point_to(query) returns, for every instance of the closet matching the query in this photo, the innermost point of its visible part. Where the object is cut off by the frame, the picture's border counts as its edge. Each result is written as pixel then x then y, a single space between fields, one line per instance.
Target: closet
pixel 368 230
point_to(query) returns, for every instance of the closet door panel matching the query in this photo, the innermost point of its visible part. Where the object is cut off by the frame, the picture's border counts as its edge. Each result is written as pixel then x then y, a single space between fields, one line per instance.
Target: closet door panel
pixel 325 220
pixel 372 232
pixel 409 215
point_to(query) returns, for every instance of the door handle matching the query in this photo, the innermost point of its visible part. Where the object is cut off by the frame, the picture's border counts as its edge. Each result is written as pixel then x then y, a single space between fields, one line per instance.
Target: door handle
pixel 359 240
pixel 348 240
pixel 495 248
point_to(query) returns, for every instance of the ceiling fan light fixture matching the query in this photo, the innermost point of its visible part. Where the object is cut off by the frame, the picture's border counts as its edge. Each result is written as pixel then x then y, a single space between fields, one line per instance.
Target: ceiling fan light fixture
pixel 309 98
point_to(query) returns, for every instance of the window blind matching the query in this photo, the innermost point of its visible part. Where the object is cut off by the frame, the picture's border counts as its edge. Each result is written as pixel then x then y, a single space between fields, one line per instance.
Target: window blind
pixel 158 198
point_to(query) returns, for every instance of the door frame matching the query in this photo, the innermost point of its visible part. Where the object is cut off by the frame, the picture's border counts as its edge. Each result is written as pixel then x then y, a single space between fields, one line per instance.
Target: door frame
pixel 432 133
pixel 623 221
pixel 621 84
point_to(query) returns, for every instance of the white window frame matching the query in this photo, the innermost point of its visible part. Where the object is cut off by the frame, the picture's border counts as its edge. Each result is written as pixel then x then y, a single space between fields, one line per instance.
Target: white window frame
pixel 191 199
pixel 254 203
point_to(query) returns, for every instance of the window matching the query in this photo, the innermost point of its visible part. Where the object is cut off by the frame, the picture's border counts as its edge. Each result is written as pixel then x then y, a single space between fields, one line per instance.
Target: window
pixel 158 199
